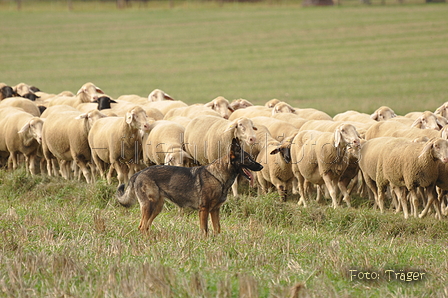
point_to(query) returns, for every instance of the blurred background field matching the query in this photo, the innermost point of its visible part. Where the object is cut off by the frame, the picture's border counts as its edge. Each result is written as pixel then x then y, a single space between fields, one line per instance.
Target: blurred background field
pixel 335 58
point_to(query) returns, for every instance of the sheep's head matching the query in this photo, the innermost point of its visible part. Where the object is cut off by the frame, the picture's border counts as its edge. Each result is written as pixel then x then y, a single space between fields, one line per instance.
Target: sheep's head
pixel 89 92
pixel 438 149
pixel 383 113
pixel 428 120
pixel 271 103
pixel 244 130
pixel 220 105
pixel 241 103
pixel 178 157
pixel 91 117
pixel 158 95
pixel 32 130
pixel 442 110
pixel 347 135
pixel 282 107
pixel 137 119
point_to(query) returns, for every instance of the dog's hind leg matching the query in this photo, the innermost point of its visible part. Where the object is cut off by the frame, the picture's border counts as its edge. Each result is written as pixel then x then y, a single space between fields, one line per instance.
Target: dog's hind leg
pixel 151 205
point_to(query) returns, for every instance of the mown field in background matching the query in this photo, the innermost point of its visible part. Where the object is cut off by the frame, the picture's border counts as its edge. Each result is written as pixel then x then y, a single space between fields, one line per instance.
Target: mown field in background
pixel 67 239
pixel 330 58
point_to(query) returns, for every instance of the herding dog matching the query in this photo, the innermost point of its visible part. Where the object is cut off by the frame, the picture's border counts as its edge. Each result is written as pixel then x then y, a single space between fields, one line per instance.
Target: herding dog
pixel 203 188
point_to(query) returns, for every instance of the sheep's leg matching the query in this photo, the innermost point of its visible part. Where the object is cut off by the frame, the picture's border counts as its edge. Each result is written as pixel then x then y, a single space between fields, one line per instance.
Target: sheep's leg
pixel 381 196
pixel 345 192
pixel 301 184
pixel 431 201
pixel 85 171
pixel 32 164
pixel 331 186
pixel 401 195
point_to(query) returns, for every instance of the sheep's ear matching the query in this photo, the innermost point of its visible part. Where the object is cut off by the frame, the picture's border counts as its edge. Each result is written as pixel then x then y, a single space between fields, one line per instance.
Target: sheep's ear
pixel 167 97
pixel 25 128
pixel 129 117
pixel 98 90
pixel 441 122
pixel 168 159
pixel 275 151
pixel 186 155
pixel 112 101
pixel 394 115
pixel 232 126
pixel 374 116
pixel 444 134
pixel 417 123
pixel 427 147
pixel 81 90
pixel 337 137
pixel 82 116
pixel 254 128
pixel 231 109
pixel 209 105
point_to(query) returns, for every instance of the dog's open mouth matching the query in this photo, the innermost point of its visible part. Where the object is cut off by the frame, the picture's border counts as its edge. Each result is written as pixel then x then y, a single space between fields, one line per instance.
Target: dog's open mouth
pixel 247 174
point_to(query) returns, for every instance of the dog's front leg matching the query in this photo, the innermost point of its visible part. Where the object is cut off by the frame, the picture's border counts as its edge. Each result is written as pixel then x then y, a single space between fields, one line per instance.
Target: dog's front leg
pixel 214 214
pixel 203 219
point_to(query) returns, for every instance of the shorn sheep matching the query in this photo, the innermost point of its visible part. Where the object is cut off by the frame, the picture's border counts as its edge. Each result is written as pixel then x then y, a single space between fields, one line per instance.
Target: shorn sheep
pixel 65 138
pixel 21 133
pixel 321 158
pixel 118 141
pixel 404 165
pixel 87 93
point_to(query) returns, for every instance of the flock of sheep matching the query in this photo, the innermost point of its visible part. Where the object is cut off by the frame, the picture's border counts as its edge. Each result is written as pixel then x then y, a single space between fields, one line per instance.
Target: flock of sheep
pixel 381 156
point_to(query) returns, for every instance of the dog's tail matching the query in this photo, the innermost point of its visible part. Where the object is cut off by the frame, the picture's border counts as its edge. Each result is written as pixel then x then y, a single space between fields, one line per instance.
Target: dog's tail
pixel 126 195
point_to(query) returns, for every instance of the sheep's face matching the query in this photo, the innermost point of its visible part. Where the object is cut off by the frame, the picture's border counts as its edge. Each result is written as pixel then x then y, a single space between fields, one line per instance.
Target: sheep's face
pixel 346 134
pixel 138 119
pixel 178 158
pixel 384 114
pixel 282 107
pixel 33 130
pixel 158 95
pixel 220 105
pixel 244 130
pixel 89 92
pixel 439 149
pixel 427 120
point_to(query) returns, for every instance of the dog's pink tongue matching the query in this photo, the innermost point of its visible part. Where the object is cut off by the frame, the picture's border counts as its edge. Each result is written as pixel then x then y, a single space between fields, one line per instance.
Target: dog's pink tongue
pixel 251 177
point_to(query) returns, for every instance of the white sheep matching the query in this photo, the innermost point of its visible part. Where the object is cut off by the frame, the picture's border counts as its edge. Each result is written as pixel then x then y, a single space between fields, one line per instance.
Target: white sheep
pixel 293 119
pixel 250 112
pixel 405 166
pixel 321 157
pixel 442 110
pixel 87 93
pixel 191 112
pixel 21 134
pixel 117 141
pixel 354 116
pixel 158 95
pixel 279 129
pixel 165 105
pixel 277 169
pixel 393 128
pixel 240 103
pixel 271 103
pixel 307 113
pixel 164 145
pixel 65 137
pixel 383 113
pixel 207 138
pixel 23 103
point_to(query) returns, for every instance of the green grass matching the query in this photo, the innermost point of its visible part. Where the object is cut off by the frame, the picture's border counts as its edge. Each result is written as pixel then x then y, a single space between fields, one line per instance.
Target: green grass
pixel 333 59
pixel 66 238
pixel 70 240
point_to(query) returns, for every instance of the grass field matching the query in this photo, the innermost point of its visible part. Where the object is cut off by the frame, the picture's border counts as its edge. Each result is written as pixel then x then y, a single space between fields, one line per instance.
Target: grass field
pixel 333 58
pixel 67 239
